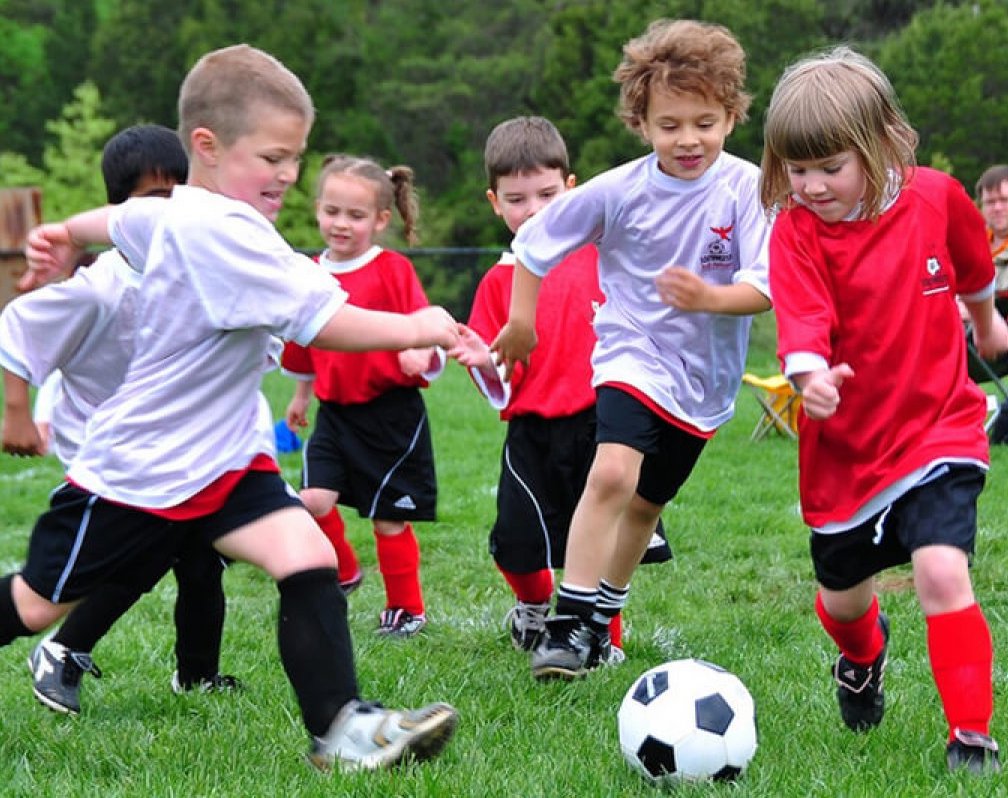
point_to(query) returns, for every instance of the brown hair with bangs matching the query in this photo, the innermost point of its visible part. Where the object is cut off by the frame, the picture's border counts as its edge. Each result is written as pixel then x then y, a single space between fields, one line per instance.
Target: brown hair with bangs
pixel 225 89
pixel 685 56
pixel 827 104
pixel 521 145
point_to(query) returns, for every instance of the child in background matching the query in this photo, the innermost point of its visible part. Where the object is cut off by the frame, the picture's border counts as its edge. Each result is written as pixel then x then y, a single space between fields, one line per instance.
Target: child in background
pixel 76 339
pixel 867 255
pixel 371 446
pixel 219 282
pixel 682 241
pixel 550 406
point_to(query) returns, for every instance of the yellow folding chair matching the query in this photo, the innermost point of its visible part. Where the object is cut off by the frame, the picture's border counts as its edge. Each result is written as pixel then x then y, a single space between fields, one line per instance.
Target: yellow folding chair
pixel 779 403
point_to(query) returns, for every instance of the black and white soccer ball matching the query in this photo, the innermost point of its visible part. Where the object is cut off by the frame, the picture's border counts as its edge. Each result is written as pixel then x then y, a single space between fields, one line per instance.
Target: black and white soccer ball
pixel 687 720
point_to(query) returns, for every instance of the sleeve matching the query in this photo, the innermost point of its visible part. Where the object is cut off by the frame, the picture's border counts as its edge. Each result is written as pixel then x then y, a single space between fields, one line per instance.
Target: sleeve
pixel 132 225
pixel 967 243
pixel 296 361
pixel 258 279
pixel 803 306
pixel 753 240
pixel 413 292
pixel 575 218
pixel 42 330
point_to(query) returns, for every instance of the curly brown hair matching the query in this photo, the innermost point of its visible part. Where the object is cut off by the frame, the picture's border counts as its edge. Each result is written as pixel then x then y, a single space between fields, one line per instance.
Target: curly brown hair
pixel 685 56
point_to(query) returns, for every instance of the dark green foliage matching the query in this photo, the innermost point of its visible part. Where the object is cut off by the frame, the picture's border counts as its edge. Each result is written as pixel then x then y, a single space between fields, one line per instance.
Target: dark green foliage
pixel 422 82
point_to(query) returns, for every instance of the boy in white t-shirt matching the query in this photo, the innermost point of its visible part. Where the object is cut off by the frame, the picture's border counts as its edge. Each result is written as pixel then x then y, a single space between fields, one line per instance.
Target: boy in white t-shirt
pixel 682 240
pixel 175 449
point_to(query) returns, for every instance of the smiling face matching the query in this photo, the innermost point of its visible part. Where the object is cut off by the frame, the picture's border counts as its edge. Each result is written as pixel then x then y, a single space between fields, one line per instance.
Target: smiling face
pixel 519 197
pixel 830 187
pixel 686 130
pixel 348 216
pixel 259 166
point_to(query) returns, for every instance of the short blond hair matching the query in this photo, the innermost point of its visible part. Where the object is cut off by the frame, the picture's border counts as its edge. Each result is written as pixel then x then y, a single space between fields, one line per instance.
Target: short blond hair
pixel 223 86
pixel 685 56
pixel 830 103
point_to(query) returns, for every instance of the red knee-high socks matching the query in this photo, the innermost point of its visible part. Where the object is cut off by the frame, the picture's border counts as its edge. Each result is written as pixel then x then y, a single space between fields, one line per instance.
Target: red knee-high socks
pixel 346 558
pixel 399 563
pixel 959 645
pixel 859 640
pixel 533 588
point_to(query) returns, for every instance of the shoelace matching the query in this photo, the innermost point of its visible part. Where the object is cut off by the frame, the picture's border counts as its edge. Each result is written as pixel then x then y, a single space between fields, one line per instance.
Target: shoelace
pixel 527 617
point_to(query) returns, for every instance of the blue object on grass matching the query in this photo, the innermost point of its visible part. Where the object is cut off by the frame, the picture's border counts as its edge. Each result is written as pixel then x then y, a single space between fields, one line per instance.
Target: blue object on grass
pixel 286 439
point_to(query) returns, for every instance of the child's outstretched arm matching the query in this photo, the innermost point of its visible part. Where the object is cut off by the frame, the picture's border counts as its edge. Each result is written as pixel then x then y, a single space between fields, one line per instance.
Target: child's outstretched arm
pixel 20 435
pixel 354 329
pixel 685 290
pixel 53 249
pixel 517 337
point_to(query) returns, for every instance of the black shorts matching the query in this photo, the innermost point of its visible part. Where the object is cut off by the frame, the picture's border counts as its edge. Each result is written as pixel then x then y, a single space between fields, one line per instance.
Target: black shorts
pixel 670 452
pixel 377 455
pixel 941 511
pixel 83 541
pixel 544 465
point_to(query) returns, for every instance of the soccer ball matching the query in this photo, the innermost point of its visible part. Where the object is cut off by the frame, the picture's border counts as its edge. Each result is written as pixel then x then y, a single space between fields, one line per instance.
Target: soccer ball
pixel 687 720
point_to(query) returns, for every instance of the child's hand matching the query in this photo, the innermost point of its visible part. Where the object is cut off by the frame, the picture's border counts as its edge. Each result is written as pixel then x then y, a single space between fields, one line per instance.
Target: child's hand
pixel 414 362
pixel 435 327
pixel 820 391
pixel 512 345
pixel 297 413
pixel 471 351
pixel 995 342
pixel 683 290
pixel 21 436
pixel 51 254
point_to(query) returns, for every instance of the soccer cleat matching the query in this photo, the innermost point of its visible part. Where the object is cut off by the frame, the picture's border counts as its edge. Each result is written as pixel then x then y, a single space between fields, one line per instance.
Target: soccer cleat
pixel 218 683
pixel 973 751
pixel 354 582
pixel 526 622
pixel 400 623
pixel 657 551
pixel 859 687
pixel 568 648
pixel 57 671
pixel 366 736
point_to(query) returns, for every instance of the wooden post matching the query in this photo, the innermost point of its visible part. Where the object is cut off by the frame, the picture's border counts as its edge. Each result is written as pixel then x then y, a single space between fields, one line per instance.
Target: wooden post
pixel 20 211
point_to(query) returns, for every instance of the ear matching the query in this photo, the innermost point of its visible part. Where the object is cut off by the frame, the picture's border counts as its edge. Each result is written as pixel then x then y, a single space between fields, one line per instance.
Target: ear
pixel 730 125
pixel 203 145
pixel 571 181
pixel 491 195
pixel 382 220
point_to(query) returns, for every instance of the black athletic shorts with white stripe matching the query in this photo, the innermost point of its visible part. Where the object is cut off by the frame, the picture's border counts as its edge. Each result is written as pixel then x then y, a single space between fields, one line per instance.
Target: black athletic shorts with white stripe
pixel 377 455
pixel 83 541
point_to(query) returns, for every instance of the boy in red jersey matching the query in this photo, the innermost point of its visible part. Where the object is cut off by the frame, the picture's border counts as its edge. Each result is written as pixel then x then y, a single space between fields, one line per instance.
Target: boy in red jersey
pixel 550 405
pixel 867 255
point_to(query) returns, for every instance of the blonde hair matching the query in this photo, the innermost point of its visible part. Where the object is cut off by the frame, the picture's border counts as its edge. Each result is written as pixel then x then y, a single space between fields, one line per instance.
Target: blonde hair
pixel 829 103
pixel 521 145
pixel 394 185
pixel 222 88
pixel 685 56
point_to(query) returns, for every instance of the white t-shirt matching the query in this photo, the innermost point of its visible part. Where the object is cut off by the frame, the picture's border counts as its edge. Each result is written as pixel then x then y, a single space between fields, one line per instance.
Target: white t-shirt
pixel 642 221
pixel 219 283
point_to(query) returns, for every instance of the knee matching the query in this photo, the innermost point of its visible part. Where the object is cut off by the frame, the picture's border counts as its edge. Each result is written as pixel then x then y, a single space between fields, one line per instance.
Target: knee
pixel 318 502
pixel 610 479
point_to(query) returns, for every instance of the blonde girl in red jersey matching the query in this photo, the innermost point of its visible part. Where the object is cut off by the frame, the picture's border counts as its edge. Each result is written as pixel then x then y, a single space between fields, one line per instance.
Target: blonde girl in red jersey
pixel 867 255
pixel 371 447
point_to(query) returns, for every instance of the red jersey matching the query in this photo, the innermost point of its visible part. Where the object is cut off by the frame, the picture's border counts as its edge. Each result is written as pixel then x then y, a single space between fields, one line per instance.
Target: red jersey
pixel 880 295
pixel 386 282
pixel 558 380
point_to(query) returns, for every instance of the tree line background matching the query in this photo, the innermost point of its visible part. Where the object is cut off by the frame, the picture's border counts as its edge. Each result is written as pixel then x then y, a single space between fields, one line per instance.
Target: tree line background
pixel 422 82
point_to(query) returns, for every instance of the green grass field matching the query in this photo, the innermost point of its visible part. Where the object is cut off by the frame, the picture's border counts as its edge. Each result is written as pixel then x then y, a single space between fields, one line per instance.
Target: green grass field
pixel 739 593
